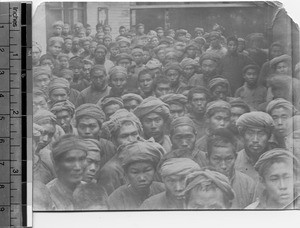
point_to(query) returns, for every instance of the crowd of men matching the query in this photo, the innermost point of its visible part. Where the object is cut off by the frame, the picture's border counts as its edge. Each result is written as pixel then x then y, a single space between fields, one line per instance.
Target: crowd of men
pixel 164 120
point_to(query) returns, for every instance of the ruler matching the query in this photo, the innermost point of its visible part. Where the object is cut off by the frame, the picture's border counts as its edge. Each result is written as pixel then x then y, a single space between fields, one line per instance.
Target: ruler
pixel 15 71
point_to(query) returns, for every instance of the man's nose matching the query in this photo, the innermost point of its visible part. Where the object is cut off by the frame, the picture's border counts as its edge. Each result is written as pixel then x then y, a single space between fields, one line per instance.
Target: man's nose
pixel 255 138
pixel 179 186
pixel 223 164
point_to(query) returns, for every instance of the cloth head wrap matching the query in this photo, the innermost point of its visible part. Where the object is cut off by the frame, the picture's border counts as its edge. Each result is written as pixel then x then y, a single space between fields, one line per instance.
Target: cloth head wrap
pixel 172 66
pixel 174 98
pixel 198 89
pixel 123 56
pixel 217 105
pixel 276 60
pixel 62 55
pixel 141 151
pixel 63 106
pixel 238 102
pixel 182 121
pixel 153 64
pixel 41 70
pixel 66 144
pixel 137 50
pixel 200 40
pixel 280 102
pixel 132 96
pixel 93 145
pixel 90 110
pixel 211 56
pixel 59 83
pixel 178 166
pixel 43 115
pixel 111 100
pixel 100 46
pixel 208 176
pixel 218 81
pixel 116 120
pixel 272 155
pixel 152 104
pixel 55 39
pixel 188 62
pixel 117 69
pixel 255 119
pixel 124 39
pixel 251 66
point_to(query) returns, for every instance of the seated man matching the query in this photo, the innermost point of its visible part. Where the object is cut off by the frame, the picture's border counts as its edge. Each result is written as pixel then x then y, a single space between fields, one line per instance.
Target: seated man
pixel 208 190
pixel 69 154
pixel 122 128
pixel 154 116
pixel 139 161
pixel 277 169
pixel 221 155
pixel 177 104
pixel 174 172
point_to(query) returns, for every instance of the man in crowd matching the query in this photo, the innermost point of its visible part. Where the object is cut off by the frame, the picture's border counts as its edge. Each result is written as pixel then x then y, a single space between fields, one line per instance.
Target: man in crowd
pixel 131 101
pixel 177 104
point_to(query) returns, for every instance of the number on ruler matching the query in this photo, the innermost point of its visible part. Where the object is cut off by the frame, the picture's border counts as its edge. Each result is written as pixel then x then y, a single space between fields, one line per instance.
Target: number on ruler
pixel 2 209
pixel 2 50
pixel 2 163
pixel 2 140
pixel 1 72
pixel 15 171
pixel 2 186
pixel 2 117
pixel 15 112
pixel 1 95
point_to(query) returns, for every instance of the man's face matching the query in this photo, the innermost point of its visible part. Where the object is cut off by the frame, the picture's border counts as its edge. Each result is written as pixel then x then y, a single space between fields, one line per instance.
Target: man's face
pixel 36 54
pixel 99 79
pixel 220 92
pixel 39 103
pixel 173 75
pixel 219 120
pixel 107 41
pixel 86 45
pixel 106 30
pixel 70 167
pixel 282 68
pixel 279 183
pixel 140 30
pixel 92 48
pixel 130 105
pixel 88 127
pixel 146 83
pixel 183 137
pixel 66 29
pixel 251 77
pixel 47 62
pixel 208 67
pixel 241 46
pixel 222 159
pixel 138 57
pixel 162 89
pixel 119 81
pixel 236 112
pixel 177 110
pixel 59 94
pixel 64 63
pixel 122 31
pixel 124 47
pixel 191 52
pixel 114 51
pixel 256 141
pixel 214 42
pixel 46 136
pixel 232 47
pixel 128 133
pixel 111 109
pixel 63 119
pixel 55 49
pixel 99 54
pixel 160 33
pixel 275 51
pixel 154 41
pixel 198 103
pixel 175 185
pixel 153 125
pixel 161 55
pixel 280 116
pixel 57 30
pixel 206 199
pixel 93 165
pixel 88 31
pixel 126 63
pixel 146 57
pixel 77 28
pixel 86 71
pixel 140 175
pixel 189 71
pixel 41 82
pixel 68 45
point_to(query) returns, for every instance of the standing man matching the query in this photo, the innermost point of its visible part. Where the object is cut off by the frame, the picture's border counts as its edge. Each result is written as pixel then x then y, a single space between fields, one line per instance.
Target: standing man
pixel 155 115
pixel 256 129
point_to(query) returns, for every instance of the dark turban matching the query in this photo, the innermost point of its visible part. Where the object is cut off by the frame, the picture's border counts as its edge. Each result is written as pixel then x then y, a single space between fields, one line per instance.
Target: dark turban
pixel 117 69
pixel 111 100
pixel 152 104
pixel 238 102
pixel 132 96
pixel 280 102
pixel 182 121
pixel 90 110
pixel 251 66
pixel 211 56
pixel 41 70
pixel 67 143
pixel 218 81
pixel 206 177
pixel 141 151
pixel 188 62
pixel 174 98
pixel 272 156
pixel 43 115
pixel 217 105
pixel 116 120
pixel 172 66
pixel 178 166
pixel 123 56
pixel 59 83
pixel 255 119
pixel 100 46
pixel 63 106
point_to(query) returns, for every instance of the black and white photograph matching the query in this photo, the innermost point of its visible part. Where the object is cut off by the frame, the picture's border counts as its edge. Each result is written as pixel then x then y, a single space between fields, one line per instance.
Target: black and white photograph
pixel 165 106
